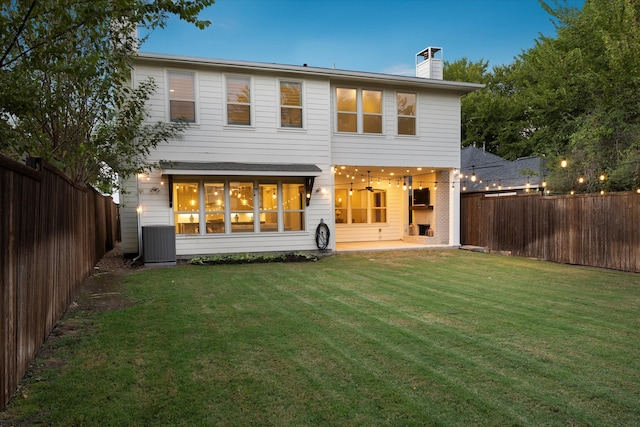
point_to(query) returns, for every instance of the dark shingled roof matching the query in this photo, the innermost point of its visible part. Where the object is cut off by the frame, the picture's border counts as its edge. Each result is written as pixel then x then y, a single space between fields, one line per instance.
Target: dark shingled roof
pixel 492 169
pixel 242 167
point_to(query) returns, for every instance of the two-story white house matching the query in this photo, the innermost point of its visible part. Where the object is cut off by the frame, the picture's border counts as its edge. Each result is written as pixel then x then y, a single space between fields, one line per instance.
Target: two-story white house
pixel 274 150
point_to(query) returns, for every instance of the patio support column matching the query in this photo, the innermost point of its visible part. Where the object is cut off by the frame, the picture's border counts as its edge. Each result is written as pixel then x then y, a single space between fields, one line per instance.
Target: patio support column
pixel 454 209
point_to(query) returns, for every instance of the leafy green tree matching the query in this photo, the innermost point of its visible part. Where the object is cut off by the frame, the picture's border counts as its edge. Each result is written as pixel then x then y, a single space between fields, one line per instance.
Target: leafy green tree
pixel 65 92
pixel 572 96
pixel 492 117
pixel 588 84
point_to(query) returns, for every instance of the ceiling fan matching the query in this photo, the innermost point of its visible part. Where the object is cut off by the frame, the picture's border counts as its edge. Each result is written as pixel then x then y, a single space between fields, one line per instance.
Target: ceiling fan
pixel 369 187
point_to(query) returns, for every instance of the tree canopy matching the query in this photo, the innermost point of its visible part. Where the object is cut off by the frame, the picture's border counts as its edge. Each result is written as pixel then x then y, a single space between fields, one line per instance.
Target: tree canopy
pixel 573 96
pixel 65 90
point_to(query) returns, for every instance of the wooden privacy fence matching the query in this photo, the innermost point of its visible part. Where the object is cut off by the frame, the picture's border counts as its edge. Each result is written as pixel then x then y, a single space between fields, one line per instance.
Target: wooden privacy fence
pixel 593 230
pixel 52 233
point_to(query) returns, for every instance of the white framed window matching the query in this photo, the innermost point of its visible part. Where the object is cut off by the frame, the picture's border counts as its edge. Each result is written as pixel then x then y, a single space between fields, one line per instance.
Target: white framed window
pixel 372 111
pixel 268 197
pixel 214 207
pixel 293 206
pixel 186 207
pixel 359 110
pixel 347 109
pixel 360 206
pixel 238 101
pixel 291 107
pixel 182 96
pixel 210 206
pixel 379 206
pixel 407 113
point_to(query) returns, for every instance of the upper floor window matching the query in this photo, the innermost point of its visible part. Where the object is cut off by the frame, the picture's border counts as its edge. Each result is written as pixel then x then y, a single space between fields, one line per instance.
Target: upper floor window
pixel 359 111
pixel 406 113
pixel 347 107
pixel 291 104
pixel 372 111
pixel 182 98
pixel 238 100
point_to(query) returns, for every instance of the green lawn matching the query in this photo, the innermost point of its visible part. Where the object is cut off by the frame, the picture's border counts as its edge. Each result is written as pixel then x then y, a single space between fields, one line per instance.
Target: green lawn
pixel 449 338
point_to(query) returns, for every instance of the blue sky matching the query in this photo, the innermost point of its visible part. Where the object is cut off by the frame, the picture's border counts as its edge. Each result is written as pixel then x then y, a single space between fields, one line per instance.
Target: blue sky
pixel 363 35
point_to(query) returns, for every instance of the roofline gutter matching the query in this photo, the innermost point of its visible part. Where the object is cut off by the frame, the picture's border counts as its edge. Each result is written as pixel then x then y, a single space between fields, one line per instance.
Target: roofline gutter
pixel 460 87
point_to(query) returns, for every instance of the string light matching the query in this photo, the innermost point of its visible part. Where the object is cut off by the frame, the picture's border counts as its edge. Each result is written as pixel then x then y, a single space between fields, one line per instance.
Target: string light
pixel 351 190
pixel 563 162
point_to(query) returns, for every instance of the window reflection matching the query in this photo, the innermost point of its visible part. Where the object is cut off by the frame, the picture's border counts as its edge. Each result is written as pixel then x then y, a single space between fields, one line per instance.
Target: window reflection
pixel 241 205
pixel 186 208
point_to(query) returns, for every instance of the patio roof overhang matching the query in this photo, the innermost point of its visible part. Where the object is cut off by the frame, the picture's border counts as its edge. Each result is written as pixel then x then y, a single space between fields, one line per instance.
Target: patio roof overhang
pixel 240 169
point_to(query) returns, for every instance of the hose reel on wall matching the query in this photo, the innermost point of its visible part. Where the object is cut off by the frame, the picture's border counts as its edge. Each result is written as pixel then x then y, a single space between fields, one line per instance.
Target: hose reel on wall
pixel 322 235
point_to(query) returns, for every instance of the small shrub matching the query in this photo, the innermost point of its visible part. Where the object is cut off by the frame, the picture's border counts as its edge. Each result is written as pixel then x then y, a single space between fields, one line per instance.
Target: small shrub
pixel 252 258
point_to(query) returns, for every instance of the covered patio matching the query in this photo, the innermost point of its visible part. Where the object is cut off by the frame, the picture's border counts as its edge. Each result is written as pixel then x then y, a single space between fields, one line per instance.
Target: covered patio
pixel 386 245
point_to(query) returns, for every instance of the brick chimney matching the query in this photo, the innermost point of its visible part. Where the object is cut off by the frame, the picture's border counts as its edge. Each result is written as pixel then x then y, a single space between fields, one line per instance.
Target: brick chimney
pixel 429 63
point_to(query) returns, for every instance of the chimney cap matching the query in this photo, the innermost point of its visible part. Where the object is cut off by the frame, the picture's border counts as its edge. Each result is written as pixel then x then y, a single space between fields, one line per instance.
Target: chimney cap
pixel 429 52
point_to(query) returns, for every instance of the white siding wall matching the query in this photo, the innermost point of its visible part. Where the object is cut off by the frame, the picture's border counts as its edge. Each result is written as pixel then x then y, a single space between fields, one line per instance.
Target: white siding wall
pixel 437 143
pixel 154 200
pixel 210 140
